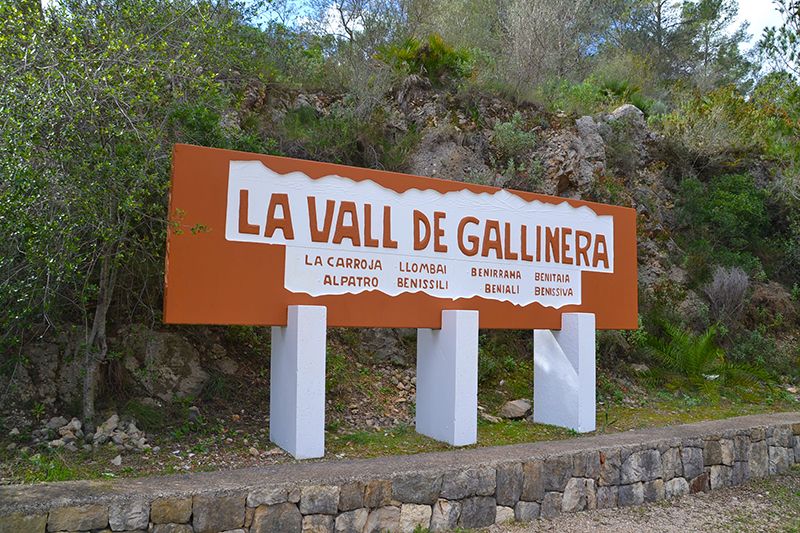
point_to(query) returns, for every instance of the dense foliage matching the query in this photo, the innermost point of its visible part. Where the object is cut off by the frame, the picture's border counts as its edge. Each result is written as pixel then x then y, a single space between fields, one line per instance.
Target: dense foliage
pixel 94 95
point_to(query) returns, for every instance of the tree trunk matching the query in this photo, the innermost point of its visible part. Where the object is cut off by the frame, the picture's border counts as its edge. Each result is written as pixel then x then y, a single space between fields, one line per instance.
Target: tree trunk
pixel 96 347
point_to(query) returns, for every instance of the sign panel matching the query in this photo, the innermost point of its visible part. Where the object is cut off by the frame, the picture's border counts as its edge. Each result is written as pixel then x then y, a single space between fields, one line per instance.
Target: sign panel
pixel 251 234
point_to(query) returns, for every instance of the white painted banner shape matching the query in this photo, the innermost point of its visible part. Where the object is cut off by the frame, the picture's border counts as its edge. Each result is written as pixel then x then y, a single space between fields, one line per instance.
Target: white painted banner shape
pixel 494 245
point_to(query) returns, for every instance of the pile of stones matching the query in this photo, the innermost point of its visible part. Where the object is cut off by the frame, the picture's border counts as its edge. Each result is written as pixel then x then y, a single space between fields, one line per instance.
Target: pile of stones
pixel 58 433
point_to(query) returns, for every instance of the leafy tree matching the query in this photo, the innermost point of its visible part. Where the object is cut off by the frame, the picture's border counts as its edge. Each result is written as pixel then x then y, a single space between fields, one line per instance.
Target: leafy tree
pixel 782 44
pixel 713 56
pixel 651 28
pixel 680 41
pixel 94 95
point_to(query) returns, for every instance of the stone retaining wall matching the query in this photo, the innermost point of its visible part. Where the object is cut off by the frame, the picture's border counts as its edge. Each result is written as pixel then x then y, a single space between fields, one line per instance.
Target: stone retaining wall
pixel 440 491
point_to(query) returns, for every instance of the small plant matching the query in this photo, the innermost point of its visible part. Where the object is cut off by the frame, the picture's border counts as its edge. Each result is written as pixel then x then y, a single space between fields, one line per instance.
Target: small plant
pixel 43 467
pixel 38 410
pixel 432 58
pixel 726 292
pixel 148 417
pixel 511 140
pixel 690 361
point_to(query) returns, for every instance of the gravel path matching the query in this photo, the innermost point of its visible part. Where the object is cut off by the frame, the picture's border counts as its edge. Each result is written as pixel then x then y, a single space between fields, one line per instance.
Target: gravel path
pixel 770 505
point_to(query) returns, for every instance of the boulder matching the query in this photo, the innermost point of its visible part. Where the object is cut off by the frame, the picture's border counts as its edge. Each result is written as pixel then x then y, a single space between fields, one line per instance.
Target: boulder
pixel 377 493
pixel 503 514
pixel 318 523
pixel 692 461
pixel 351 496
pixel 171 510
pixel 509 484
pixel 164 364
pixel 80 518
pixel 626 135
pixel 532 481
pixel 383 519
pixel 551 505
pixel 607 497
pixel 384 344
pixel 56 422
pixel 479 481
pixel 526 511
pixel 579 494
pixel 212 513
pixel 641 466
pixel 129 515
pixel 631 494
pixel 676 487
pixel 516 409
pixel 417 488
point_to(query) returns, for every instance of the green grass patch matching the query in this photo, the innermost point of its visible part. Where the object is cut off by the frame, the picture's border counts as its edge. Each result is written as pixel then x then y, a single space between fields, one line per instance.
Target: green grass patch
pixel 666 411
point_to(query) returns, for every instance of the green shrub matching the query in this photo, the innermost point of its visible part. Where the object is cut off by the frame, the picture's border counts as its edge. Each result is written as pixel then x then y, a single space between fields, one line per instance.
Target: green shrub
pixel 333 137
pixel 756 348
pixel 511 140
pixel 148 417
pixel 713 131
pixel 727 221
pixel 341 136
pixel 597 93
pixel 431 58
pixel 497 356
pixel 696 361
pixel 47 467
pixel 583 98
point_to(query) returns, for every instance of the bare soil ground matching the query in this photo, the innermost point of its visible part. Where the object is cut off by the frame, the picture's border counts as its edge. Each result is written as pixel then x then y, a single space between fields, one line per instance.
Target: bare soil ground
pixel 769 505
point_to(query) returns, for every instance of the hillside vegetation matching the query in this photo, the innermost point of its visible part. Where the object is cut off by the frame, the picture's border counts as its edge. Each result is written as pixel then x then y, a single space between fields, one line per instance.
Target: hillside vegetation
pixel 649 104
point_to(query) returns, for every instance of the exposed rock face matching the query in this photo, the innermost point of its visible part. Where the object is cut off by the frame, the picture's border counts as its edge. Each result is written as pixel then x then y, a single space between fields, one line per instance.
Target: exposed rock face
pixel 53 372
pixel 440 155
pixel 627 126
pixel 573 160
pixel 165 364
pixel 384 344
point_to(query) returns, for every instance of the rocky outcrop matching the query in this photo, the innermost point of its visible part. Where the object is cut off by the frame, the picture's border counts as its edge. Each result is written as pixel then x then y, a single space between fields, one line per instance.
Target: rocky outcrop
pixel 573 159
pixel 48 372
pixel 164 364
pixel 441 154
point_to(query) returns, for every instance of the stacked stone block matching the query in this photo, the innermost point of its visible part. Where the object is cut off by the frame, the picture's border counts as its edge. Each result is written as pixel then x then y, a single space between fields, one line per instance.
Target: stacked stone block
pixel 471 496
